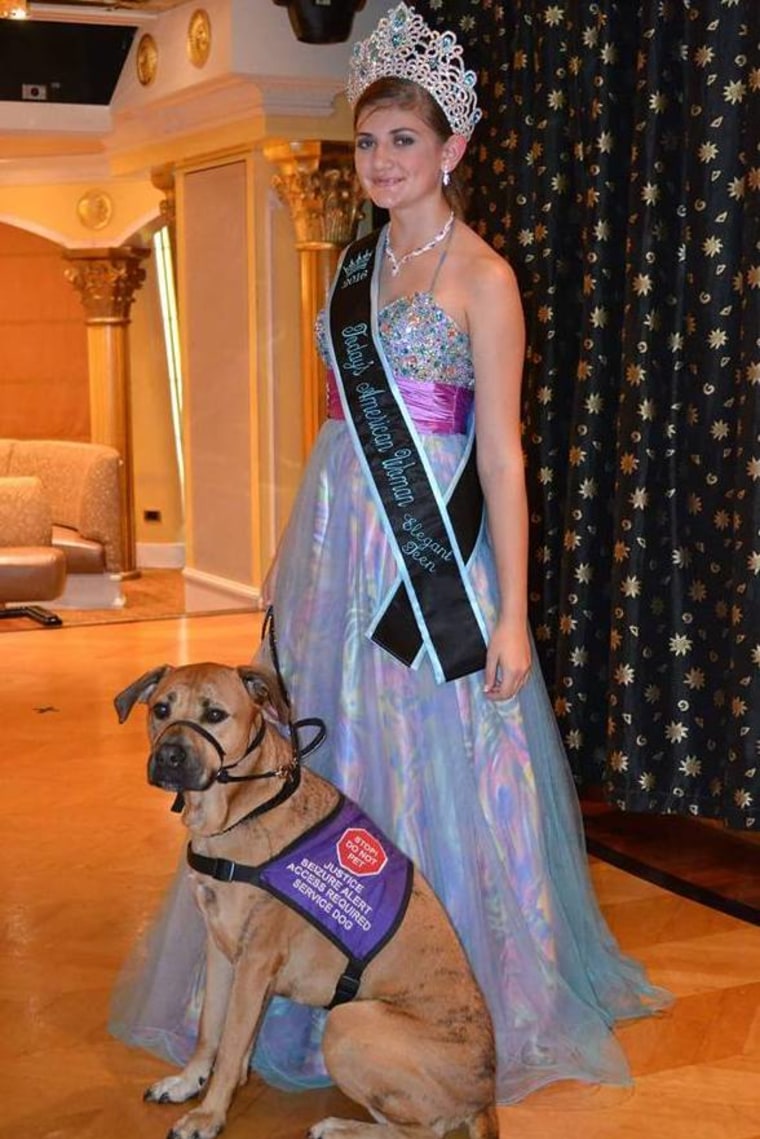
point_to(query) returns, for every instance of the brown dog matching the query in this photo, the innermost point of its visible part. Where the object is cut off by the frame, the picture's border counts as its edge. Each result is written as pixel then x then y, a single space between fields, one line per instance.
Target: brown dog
pixel 415 1047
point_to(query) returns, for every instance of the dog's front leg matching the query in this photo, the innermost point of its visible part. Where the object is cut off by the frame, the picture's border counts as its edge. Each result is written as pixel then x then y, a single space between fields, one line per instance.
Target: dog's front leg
pixel 248 998
pixel 194 1076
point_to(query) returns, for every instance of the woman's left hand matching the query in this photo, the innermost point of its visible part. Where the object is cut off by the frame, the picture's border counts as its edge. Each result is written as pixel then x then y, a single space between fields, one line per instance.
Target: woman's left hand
pixel 508 661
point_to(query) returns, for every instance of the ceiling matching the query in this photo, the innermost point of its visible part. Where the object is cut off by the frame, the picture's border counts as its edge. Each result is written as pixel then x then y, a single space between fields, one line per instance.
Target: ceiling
pixel 81 9
pixel 71 51
pixel 59 62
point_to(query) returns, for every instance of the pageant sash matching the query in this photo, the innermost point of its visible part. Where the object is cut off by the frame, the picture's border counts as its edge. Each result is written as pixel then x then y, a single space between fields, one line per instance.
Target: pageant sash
pixel 434 609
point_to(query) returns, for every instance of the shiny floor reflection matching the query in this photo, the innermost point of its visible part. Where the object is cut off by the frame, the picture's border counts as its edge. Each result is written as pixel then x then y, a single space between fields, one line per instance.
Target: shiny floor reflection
pixel 89 849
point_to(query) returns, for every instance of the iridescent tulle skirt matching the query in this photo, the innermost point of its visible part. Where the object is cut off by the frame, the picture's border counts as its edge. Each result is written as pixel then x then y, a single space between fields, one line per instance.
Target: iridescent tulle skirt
pixel 478 793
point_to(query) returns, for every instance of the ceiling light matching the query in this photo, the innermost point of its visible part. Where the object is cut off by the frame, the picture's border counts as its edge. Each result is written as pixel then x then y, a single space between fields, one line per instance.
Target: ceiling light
pixel 13 9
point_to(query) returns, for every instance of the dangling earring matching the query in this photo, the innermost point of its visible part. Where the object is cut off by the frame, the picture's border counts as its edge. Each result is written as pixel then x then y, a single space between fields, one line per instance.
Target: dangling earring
pixel 445 178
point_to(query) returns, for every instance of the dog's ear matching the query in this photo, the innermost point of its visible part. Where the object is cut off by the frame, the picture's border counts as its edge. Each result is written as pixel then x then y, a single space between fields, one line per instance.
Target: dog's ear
pixel 264 687
pixel 139 690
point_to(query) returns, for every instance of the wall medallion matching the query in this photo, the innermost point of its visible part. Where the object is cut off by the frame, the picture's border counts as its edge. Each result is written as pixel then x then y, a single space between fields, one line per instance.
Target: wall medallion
pixel 199 37
pixel 147 59
pixel 95 209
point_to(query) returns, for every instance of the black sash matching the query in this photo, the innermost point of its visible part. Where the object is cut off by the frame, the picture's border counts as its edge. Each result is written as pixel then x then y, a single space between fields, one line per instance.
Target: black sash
pixel 432 539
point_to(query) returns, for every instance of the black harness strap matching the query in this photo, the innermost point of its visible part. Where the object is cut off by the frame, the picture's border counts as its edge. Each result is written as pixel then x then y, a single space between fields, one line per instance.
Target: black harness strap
pixel 348 984
pixel 223 869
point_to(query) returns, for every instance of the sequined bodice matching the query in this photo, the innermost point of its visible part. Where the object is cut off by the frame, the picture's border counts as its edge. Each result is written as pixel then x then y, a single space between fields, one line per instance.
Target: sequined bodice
pixel 421 341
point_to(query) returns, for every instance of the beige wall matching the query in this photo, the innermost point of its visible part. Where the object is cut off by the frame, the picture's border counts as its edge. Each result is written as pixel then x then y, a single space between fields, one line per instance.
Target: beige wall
pixel 44 386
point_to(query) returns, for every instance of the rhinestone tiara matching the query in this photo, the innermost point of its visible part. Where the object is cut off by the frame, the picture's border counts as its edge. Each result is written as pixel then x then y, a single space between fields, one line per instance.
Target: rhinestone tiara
pixel 403 46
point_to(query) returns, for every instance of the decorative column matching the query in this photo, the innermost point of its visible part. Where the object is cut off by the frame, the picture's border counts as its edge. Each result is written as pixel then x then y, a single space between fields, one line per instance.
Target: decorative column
pixel 107 280
pixel 316 180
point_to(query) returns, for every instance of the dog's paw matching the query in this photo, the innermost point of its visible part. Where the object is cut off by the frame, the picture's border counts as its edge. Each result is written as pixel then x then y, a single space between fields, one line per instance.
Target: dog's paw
pixel 176 1089
pixel 198 1124
pixel 332 1125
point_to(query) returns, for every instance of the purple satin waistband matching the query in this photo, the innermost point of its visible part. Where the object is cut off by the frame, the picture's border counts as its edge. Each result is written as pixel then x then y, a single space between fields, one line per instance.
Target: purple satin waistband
pixel 436 409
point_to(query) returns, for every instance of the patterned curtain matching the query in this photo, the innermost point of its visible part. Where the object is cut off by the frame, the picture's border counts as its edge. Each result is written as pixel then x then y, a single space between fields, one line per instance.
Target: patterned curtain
pixel 618 168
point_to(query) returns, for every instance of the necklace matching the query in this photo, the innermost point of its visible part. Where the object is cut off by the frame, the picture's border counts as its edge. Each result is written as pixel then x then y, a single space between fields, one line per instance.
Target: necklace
pixel 398 262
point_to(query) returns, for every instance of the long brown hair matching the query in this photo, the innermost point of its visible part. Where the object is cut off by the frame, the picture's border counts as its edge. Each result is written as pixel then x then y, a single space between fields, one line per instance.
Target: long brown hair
pixel 409 96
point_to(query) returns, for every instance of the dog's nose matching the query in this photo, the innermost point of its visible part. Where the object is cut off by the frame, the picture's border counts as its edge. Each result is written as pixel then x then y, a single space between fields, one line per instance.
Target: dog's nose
pixel 176 766
pixel 171 755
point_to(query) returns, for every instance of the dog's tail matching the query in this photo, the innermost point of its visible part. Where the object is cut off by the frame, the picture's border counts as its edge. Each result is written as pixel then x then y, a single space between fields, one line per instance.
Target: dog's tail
pixel 484 1125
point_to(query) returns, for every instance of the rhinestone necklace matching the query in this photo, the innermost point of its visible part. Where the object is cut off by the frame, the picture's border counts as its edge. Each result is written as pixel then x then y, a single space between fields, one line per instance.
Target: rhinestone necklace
pixel 397 263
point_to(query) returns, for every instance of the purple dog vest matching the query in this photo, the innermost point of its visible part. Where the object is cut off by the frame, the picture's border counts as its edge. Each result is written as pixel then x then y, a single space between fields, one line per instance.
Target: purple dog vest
pixel 344 876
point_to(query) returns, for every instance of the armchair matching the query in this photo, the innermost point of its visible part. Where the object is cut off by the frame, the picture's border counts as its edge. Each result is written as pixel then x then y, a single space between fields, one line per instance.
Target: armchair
pixel 31 569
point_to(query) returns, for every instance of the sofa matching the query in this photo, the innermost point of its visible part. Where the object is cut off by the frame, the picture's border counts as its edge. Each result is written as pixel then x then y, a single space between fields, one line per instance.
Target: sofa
pixel 80 483
pixel 31 569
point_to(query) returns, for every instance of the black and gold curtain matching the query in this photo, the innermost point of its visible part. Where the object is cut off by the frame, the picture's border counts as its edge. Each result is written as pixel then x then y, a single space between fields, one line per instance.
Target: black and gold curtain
pixel 618 168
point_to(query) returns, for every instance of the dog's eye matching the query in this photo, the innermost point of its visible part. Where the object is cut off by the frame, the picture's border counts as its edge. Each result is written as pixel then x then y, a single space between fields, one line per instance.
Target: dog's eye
pixel 161 711
pixel 214 715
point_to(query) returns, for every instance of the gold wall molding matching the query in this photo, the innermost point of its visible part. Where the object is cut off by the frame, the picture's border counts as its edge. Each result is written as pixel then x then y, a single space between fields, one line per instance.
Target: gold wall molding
pixel 316 180
pixel 163 178
pixel 107 280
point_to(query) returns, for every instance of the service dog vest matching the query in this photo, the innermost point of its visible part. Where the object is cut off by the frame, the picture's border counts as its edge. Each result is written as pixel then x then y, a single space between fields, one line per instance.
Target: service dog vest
pixel 432 609
pixel 343 875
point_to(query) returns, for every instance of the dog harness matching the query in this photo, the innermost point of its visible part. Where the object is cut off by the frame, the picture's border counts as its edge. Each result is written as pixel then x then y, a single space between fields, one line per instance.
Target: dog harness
pixel 344 876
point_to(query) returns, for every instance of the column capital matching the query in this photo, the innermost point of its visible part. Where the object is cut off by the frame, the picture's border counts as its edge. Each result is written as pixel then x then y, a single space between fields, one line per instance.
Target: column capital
pixel 107 280
pixel 316 180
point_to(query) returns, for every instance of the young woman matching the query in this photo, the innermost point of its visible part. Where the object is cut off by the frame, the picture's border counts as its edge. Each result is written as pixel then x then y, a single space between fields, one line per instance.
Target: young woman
pixel 402 622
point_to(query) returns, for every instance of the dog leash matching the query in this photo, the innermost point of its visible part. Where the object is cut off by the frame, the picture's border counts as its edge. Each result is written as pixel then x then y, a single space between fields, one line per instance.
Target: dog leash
pixel 268 632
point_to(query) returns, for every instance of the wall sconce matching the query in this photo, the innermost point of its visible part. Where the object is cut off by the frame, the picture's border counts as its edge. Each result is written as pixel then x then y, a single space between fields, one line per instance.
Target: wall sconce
pixel 321 21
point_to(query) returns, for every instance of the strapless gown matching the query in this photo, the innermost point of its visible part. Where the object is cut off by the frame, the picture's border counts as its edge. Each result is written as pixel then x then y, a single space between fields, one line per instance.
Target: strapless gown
pixel 479 794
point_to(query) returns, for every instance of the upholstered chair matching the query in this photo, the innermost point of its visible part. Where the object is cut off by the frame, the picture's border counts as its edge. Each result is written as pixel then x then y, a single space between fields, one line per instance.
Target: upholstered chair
pixel 31 569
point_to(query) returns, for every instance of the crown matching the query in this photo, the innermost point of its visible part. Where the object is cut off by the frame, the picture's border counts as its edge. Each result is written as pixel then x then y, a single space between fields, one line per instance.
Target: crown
pixel 402 46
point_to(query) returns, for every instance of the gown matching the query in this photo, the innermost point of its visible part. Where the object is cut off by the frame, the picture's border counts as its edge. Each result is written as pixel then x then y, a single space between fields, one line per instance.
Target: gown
pixel 478 793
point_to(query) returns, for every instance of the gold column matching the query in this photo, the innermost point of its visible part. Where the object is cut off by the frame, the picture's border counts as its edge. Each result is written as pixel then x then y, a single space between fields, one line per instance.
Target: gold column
pixel 316 180
pixel 107 280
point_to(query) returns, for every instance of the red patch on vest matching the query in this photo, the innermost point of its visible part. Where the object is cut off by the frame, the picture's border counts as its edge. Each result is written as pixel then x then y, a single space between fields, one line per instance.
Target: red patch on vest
pixel 360 853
